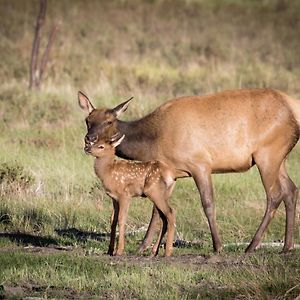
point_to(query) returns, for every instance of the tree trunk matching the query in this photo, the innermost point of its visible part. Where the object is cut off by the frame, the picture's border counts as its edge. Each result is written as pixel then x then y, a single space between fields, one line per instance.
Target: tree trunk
pixel 36 44
pixel 46 54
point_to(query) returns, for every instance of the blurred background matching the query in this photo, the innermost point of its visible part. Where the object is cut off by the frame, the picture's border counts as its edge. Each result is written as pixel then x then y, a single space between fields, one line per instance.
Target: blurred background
pixel 153 50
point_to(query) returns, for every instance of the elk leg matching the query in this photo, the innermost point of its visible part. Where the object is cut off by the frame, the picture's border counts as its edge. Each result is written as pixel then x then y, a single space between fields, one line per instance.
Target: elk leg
pixel 272 205
pixel 171 218
pixel 290 201
pixel 150 231
pixel 122 218
pixel 290 207
pixel 269 172
pixel 202 178
pixel 114 221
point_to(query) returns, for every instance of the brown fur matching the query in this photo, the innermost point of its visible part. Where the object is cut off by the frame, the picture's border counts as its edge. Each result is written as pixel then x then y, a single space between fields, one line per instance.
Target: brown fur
pixel 225 132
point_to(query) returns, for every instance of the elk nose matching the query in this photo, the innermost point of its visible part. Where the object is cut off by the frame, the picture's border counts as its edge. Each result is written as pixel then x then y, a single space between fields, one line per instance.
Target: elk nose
pixel 90 138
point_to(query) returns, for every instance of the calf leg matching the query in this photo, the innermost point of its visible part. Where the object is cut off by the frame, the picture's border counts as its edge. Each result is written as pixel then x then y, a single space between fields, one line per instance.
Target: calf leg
pixel 122 218
pixel 150 231
pixel 154 220
pixel 155 248
pixel 168 218
pixel 114 221
pixel 159 196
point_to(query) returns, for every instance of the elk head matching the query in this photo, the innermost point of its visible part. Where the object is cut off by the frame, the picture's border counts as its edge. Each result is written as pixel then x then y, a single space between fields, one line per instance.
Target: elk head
pixel 101 122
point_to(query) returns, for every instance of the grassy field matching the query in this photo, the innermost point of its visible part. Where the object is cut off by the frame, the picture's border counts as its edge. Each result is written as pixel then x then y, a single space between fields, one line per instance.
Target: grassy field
pixel 54 215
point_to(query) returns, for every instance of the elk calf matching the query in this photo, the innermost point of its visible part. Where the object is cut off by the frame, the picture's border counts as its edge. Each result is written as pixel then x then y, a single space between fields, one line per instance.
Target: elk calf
pixel 124 179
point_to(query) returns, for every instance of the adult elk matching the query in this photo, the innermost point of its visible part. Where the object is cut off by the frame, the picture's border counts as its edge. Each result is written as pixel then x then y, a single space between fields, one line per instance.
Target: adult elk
pixel 225 132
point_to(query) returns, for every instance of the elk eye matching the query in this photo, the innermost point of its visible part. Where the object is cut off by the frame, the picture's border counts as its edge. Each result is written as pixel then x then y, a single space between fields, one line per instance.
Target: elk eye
pixel 101 147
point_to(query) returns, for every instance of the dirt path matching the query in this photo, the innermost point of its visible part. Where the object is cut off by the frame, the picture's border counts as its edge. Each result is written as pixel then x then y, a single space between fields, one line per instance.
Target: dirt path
pixel 137 260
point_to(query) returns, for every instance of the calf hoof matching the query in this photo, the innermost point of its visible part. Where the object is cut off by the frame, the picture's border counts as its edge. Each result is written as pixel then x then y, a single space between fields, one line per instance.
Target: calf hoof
pixel 218 248
pixel 141 249
pixel 287 249
pixel 251 248
pixel 110 252
pixel 153 253
pixel 144 246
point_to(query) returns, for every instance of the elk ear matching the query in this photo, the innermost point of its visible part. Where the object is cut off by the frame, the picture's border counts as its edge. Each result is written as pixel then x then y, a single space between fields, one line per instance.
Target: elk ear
pixel 118 142
pixel 85 103
pixel 121 107
pixel 115 137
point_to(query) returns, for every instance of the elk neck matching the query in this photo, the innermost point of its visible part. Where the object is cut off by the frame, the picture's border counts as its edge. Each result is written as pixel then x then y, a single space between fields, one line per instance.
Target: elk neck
pixel 140 142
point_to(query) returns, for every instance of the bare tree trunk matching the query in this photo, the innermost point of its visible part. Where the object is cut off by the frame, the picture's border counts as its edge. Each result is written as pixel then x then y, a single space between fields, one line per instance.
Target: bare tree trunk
pixel 36 44
pixel 46 53
pixel 37 70
pixel 282 5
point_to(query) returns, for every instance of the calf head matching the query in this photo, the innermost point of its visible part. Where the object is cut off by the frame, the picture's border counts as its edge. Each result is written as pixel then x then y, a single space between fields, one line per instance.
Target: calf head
pixel 103 148
pixel 101 122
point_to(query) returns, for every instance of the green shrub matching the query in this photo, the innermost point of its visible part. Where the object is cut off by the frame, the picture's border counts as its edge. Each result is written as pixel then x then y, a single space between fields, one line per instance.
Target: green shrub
pixel 15 174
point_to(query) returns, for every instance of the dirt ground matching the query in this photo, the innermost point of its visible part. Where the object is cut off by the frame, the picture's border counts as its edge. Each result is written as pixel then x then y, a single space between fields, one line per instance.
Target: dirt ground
pixel 27 290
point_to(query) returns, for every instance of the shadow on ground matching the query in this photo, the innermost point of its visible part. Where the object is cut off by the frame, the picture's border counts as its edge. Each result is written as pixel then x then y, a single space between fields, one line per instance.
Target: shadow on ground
pixel 80 235
pixel 26 239
pixel 29 239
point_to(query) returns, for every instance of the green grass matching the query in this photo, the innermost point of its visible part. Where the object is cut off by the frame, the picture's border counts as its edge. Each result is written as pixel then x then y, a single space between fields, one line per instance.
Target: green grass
pixel 267 275
pixel 54 215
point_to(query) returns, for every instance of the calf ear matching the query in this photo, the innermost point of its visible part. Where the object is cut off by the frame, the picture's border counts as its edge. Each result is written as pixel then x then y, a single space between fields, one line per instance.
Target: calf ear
pixel 118 142
pixel 121 107
pixel 85 103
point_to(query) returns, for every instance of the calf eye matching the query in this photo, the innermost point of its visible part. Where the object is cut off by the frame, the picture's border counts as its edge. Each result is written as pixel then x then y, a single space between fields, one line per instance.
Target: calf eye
pixel 101 147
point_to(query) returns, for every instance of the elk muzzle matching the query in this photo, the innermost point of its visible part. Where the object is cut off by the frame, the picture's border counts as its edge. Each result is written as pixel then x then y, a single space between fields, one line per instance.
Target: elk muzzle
pixel 89 140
